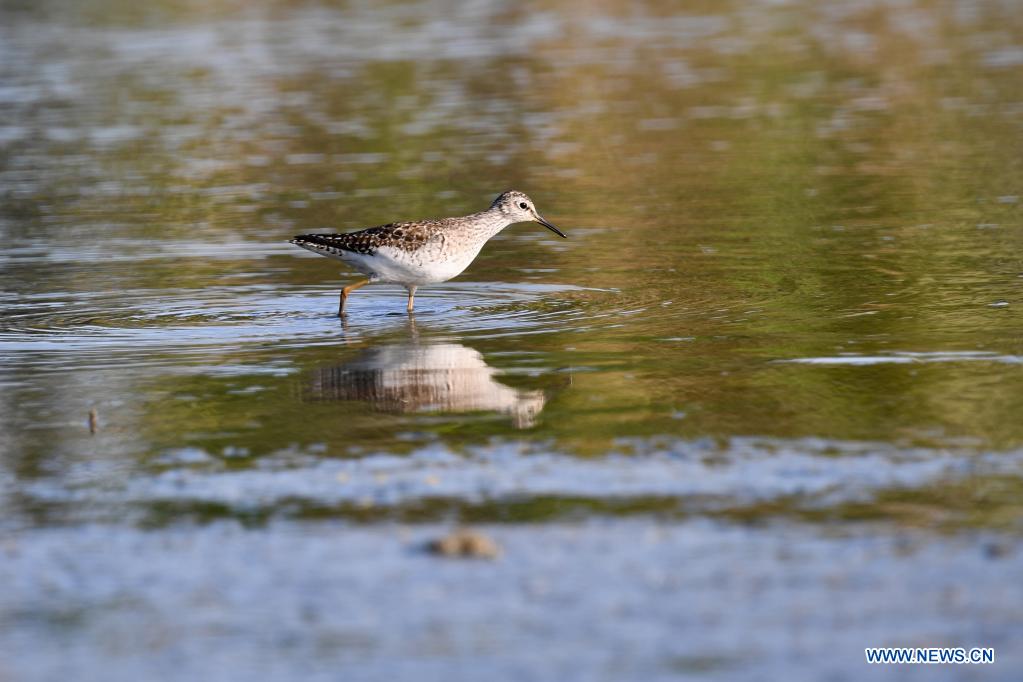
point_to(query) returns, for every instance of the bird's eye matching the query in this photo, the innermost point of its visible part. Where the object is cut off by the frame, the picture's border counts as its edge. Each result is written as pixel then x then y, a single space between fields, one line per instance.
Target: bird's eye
pixel 522 204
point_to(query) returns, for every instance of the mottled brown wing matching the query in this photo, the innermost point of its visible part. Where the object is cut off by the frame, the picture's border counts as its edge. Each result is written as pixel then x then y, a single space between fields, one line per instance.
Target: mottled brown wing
pixel 405 236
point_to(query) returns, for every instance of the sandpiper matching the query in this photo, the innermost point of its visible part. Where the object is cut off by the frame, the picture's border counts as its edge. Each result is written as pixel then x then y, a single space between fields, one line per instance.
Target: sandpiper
pixel 422 252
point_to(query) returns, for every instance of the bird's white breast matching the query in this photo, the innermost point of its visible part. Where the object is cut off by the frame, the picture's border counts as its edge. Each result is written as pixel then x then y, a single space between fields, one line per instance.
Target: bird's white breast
pixel 427 265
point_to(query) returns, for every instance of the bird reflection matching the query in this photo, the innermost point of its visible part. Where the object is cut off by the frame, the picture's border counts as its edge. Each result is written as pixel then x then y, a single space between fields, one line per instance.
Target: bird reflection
pixel 426 377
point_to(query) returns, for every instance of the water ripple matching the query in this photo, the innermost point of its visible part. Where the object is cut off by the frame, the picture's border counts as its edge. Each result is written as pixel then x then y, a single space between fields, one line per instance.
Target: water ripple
pixel 161 323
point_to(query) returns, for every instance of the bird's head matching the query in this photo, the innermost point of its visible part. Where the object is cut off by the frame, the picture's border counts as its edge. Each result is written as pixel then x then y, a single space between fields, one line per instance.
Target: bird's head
pixel 519 208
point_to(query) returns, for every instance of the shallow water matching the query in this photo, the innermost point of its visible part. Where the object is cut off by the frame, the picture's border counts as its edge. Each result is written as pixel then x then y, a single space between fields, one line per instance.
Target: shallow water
pixel 789 297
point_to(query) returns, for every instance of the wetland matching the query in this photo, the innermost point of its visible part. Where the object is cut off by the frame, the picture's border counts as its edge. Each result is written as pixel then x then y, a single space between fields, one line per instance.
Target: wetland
pixel 759 411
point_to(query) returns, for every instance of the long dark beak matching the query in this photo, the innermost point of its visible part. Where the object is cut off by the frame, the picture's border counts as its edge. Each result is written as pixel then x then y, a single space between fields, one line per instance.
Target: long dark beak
pixel 550 227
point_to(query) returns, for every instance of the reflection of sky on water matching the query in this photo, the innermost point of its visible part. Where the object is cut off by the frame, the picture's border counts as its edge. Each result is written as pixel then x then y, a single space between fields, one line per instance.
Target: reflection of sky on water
pixel 675 478
pixel 599 599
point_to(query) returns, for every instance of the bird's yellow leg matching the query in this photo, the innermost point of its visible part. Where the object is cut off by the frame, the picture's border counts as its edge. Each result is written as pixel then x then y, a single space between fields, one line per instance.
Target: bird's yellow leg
pixel 411 298
pixel 346 292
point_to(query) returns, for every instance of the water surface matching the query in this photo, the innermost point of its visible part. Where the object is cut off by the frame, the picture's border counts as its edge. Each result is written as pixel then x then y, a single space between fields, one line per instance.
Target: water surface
pixel 788 305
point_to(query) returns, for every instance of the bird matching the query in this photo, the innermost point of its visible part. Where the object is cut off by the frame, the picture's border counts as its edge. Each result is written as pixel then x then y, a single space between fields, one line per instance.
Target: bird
pixel 422 252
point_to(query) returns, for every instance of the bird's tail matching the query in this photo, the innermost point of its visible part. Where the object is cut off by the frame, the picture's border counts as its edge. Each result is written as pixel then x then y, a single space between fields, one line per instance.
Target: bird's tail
pixel 324 244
